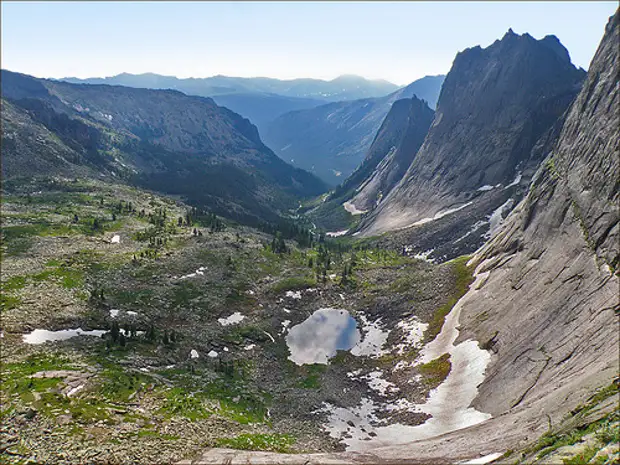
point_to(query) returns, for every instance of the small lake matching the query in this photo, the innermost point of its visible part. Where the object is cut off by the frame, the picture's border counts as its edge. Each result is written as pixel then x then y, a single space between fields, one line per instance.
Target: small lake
pixel 321 335
pixel 39 336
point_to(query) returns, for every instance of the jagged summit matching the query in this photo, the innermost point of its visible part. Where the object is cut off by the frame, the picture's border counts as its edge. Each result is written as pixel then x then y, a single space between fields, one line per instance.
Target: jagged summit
pixel 495 104
pixel 510 37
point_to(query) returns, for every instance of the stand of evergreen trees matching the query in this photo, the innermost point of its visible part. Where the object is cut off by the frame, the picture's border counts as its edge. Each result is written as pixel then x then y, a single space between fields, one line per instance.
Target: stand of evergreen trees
pixel 289 229
pixel 200 217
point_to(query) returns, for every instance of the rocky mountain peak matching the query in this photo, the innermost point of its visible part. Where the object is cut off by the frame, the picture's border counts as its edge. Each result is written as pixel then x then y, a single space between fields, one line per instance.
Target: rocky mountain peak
pixel 553 43
pixel 495 104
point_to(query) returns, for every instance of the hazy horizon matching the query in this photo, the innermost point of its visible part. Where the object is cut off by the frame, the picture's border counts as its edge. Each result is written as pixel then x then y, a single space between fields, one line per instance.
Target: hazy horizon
pixel 230 76
pixel 394 41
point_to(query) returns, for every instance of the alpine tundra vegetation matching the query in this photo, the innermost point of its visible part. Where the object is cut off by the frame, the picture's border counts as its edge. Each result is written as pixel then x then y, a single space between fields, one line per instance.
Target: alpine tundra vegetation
pixel 424 274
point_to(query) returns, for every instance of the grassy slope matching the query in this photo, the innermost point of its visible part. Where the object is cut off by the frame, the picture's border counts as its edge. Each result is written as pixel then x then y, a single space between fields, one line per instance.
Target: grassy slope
pixel 146 399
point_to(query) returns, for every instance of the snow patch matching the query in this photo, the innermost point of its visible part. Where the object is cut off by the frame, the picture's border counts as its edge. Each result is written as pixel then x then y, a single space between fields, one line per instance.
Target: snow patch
pixel 483 460
pixel 75 390
pixel 414 331
pixel 270 336
pixel 337 233
pixel 424 256
pixel 374 338
pixel 293 294
pixel 115 312
pixel 365 421
pixel 194 354
pixel 232 319
pixel 212 354
pixel 438 215
pixel 477 225
pixel 348 206
pixel 198 272
pixel 378 384
pixel 516 181
pixel 485 188
pixel 497 217
pixel 116 239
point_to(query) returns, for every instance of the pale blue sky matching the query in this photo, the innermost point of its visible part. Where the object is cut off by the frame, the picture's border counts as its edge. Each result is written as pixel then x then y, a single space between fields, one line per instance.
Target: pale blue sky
pixel 397 41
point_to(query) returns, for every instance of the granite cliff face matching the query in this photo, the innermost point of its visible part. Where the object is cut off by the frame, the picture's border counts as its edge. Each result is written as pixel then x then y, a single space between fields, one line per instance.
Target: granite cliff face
pixel 391 153
pixel 400 136
pixel 495 106
pixel 159 139
pixel 552 287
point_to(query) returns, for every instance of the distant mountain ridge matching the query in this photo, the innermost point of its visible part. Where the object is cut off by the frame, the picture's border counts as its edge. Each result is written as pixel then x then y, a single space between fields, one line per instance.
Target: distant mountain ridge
pixel 159 139
pixel 332 140
pixel 346 87
pixel 261 100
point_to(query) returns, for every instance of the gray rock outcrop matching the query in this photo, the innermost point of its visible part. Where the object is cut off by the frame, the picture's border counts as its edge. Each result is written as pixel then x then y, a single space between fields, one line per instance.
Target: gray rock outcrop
pixel 549 305
pixel 391 153
pixel 495 105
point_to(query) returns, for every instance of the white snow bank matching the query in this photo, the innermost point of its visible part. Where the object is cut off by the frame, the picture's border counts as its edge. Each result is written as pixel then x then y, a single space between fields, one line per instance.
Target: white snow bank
pixel 414 331
pixel 424 256
pixel 293 294
pixel 438 215
pixel 348 206
pixel 483 460
pixel 232 319
pixel 373 339
pixel 75 390
pixel 115 312
pixel 337 233
pixel 285 324
pixel 497 217
pixel 516 181
pixel 377 383
pixel 477 225
pixel 198 272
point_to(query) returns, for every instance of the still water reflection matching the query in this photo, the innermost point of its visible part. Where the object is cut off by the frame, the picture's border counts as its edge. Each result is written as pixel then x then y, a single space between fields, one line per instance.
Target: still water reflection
pixel 317 339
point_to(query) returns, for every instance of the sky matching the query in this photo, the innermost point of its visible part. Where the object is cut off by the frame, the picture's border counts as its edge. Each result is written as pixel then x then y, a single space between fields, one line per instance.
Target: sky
pixel 396 41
